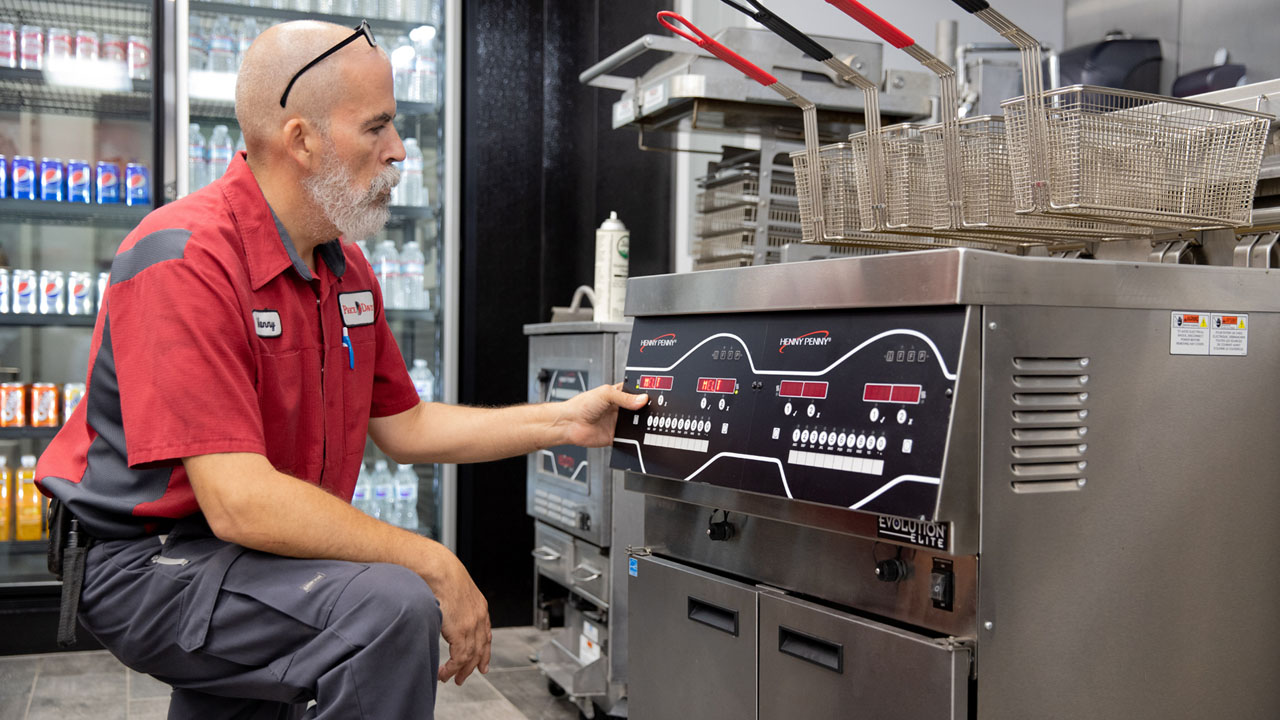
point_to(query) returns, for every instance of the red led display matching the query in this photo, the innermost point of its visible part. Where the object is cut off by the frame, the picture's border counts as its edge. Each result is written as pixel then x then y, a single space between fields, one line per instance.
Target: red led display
pixel 879 392
pixel 798 389
pixel 655 382
pixel 717 385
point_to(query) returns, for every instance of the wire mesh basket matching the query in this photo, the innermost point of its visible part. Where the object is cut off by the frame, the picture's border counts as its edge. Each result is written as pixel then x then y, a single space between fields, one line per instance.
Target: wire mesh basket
pixel 1134 157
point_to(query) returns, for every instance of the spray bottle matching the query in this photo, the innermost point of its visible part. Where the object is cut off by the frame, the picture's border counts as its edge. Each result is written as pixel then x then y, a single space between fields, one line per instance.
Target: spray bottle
pixel 612 247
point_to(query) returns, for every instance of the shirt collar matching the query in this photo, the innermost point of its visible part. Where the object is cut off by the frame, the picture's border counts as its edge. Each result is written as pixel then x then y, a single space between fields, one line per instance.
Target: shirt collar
pixel 267 245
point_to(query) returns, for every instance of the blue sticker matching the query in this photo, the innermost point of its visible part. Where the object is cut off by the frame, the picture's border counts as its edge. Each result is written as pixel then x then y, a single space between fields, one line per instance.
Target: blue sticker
pixel 633 566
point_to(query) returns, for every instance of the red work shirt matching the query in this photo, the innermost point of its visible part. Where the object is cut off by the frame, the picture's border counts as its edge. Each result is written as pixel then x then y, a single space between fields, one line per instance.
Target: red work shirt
pixel 215 337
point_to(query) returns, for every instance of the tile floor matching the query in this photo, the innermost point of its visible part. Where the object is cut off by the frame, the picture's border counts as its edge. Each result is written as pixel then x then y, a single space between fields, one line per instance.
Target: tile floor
pixel 95 686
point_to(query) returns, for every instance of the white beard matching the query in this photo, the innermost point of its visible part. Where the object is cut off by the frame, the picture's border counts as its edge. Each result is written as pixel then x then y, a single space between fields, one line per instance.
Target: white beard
pixel 357 214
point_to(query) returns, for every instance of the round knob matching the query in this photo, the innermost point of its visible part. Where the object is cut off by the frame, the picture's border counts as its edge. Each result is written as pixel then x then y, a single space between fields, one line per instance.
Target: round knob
pixel 891 570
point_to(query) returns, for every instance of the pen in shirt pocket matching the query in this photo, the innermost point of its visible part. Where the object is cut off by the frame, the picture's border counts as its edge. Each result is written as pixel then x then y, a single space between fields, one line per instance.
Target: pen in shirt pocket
pixel 351 353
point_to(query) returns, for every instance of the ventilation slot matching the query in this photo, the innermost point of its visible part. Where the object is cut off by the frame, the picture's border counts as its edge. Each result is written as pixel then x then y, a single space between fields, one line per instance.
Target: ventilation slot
pixel 1050 423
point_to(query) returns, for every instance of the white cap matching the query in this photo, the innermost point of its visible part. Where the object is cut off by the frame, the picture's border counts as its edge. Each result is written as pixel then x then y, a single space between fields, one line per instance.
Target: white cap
pixel 28 461
pixel 613 223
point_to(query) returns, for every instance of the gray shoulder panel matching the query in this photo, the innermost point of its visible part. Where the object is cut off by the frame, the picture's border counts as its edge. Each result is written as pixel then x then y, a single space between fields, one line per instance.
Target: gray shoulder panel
pixel 157 247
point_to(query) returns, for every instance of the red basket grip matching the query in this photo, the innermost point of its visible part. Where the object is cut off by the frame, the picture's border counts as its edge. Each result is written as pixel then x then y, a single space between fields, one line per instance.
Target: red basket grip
pixel 705 42
pixel 874 23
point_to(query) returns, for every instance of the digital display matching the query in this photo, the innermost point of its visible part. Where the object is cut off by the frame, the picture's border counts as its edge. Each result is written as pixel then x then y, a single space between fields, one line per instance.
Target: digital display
pixel 880 392
pixel 717 385
pixel 654 382
pixel 798 389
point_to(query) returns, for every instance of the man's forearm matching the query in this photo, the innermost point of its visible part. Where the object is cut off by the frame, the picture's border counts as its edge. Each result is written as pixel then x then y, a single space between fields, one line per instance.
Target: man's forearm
pixel 458 434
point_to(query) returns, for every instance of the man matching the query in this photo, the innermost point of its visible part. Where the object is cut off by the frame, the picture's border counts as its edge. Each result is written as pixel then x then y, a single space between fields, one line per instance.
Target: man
pixel 239 361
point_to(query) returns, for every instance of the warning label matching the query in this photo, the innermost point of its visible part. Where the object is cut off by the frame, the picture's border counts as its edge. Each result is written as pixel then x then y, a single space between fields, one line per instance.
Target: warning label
pixel 1189 333
pixel 1229 334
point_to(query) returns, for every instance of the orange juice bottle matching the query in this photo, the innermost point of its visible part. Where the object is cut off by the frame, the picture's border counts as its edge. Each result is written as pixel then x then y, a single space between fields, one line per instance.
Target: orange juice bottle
pixel 29 522
pixel 6 493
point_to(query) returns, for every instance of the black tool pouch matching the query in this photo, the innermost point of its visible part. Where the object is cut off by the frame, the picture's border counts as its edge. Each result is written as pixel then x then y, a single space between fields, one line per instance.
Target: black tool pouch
pixel 68 546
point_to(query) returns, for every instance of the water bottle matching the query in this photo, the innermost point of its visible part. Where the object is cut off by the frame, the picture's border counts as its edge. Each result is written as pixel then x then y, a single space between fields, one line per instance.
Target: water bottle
pixel 415 193
pixel 406 489
pixel 402 62
pixel 198 45
pixel 197 159
pixel 222 46
pixel 424 381
pixel 249 31
pixel 413 277
pixel 425 83
pixel 221 150
pixel 386 266
pixel 393 9
pixel 383 492
pixel 363 495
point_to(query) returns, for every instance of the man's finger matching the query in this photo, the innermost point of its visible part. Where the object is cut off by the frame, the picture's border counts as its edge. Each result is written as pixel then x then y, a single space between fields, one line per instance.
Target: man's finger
pixel 627 400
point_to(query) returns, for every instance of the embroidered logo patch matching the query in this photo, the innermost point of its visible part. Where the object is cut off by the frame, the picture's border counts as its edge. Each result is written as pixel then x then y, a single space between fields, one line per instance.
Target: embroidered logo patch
pixel 357 308
pixel 267 323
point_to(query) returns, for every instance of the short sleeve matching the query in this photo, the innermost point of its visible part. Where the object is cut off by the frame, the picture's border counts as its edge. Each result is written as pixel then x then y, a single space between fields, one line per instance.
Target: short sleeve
pixel 393 391
pixel 182 356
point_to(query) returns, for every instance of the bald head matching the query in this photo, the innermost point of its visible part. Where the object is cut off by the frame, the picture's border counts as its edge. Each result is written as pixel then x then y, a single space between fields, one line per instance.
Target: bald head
pixel 279 52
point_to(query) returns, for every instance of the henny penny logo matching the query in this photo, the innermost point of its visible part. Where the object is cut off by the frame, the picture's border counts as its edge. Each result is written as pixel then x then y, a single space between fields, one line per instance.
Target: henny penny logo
pixel 817 337
pixel 661 341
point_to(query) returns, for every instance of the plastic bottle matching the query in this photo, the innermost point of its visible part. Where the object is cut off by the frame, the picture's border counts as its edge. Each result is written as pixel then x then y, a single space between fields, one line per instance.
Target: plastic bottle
pixel 6 491
pixel 613 243
pixel 386 266
pixel 412 277
pixel 197 159
pixel 221 149
pixel 364 490
pixel 415 193
pixel 383 492
pixel 406 488
pixel 198 44
pixel 425 82
pixel 402 61
pixel 424 381
pixel 29 523
pixel 249 31
pixel 222 46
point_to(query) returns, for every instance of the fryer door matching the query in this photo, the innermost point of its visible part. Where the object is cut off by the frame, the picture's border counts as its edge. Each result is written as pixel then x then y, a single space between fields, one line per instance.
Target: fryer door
pixel 693 644
pixel 819 663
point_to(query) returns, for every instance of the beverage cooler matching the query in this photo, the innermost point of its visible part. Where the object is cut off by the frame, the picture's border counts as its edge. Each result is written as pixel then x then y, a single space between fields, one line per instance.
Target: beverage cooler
pixel 109 108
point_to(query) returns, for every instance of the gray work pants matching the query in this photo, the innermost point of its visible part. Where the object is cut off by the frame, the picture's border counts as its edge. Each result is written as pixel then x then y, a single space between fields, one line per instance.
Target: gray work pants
pixel 248 635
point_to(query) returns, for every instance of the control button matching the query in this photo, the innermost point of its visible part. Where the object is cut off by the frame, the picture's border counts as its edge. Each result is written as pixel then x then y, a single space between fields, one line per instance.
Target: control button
pixel 724 428
pixel 721 403
pixel 661 400
pixel 795 435
pixel 822 438
pixel 706 425
pixel 862 441
pixel 902 354
pixel 649 421
pixel 704 403
pixel 805 437
pixel 776 432
pixel 842 440
pixel 682 424
pixel 875 414
pixel 812 410
pixel 902 416
pixel 737 354
pixel 892 570
pixel 786 409
pixel 911 356
pixel 907 445
pixel 922 356
pixel 940 587
pixel 888 357
pixel 666 423
pixel 881 443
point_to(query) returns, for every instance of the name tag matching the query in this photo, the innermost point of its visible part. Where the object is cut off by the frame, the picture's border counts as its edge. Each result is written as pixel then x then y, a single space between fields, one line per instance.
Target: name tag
pixel 357 308
pixel 267 323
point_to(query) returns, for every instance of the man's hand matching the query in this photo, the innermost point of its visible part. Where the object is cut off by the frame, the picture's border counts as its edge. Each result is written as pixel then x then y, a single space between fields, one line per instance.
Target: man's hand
pixel 465 625
pixel 588 419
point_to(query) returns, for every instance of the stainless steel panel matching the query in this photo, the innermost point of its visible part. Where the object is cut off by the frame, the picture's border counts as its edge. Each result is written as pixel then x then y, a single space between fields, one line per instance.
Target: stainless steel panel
pixel 825 664
pixel 687 661
pixel 837 568
pixel 627 531
pixel 1148 592
pixel 590 573
pixel 949 277
pixel 552 552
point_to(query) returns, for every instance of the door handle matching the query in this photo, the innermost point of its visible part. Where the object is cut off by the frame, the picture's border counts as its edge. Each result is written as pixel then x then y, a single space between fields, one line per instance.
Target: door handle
pixel 823 653
pixel 545 554
pixel 713 616
pixel 585 574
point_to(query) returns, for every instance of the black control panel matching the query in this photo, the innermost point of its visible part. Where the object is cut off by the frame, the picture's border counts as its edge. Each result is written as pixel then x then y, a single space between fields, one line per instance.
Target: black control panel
pixel 847 408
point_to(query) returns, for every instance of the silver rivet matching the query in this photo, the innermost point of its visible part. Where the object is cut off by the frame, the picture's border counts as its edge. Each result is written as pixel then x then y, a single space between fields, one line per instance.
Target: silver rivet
pixel 1083 430
pixel 1084 397
pixel 1080 482
pixel 988 625
pixel 1084 362
pixel 1083 448
pixel 1083 414
pixel 1082 464
pixel 899 82
pixel 991 326
pixel 1084 379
